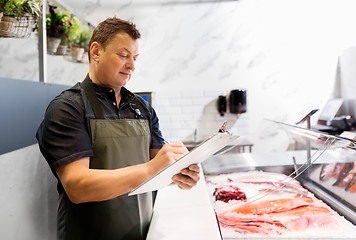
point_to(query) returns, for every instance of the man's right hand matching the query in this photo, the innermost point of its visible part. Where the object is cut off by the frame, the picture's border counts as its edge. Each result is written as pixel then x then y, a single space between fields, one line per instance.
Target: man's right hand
pixel 167 155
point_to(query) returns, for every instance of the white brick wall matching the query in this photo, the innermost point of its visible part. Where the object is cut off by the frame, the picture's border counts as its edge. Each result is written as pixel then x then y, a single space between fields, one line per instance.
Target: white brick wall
pixel 181 113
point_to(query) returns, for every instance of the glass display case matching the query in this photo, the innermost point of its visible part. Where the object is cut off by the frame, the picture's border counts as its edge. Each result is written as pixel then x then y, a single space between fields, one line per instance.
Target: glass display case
pixel 307 190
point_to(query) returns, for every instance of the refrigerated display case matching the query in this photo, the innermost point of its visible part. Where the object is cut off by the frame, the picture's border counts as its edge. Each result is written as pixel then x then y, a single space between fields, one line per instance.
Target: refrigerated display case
pixel 306 191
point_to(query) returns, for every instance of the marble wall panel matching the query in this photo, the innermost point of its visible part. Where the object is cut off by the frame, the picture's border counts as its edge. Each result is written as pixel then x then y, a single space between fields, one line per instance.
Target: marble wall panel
pixel 283 52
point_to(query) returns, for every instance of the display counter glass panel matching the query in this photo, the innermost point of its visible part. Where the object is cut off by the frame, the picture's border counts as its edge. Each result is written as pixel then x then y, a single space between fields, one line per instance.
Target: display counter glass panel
pixel 306 191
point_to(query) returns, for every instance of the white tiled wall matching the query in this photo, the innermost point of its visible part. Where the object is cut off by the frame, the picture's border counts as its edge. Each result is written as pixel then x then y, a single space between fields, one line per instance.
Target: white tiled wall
pixel 184 113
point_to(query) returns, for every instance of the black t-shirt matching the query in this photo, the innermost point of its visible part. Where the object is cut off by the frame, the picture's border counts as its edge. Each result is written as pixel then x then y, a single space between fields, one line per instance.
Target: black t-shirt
pixel 64 134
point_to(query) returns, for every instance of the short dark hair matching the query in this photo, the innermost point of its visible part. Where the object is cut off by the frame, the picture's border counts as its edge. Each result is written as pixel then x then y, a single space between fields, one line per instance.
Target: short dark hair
pixel 108 29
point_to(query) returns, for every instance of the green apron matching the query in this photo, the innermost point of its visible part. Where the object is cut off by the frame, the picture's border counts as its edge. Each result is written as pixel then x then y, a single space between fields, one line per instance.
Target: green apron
pixel 116 144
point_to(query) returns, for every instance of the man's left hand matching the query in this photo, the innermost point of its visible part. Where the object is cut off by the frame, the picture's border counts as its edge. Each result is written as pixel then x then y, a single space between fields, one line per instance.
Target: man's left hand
pixel 188 177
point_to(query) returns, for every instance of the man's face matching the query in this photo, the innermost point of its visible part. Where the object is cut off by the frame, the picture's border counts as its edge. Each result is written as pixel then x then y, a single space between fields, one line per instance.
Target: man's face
pixel 116 63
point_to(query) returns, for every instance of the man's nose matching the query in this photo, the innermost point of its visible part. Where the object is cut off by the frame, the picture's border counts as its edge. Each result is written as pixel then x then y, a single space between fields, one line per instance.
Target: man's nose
pixel 130 64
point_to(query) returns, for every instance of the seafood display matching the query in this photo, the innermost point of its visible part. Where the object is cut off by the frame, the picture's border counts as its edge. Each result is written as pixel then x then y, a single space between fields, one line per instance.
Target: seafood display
pixel 272 205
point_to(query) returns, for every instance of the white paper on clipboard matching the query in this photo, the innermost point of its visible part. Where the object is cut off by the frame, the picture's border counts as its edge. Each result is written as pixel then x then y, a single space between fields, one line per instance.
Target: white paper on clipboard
pixel 195 156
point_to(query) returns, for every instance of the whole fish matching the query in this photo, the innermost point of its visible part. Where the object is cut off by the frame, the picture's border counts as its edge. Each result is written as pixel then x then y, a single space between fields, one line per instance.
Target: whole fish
pixel 327 172
pixel 344 177
pixel 351 187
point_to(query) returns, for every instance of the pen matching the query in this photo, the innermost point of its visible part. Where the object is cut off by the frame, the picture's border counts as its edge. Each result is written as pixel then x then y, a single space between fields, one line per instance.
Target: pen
pixel 163 140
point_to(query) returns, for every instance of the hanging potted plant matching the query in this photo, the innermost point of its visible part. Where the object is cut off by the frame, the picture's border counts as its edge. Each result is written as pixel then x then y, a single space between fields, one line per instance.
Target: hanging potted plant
pixel 55 29
pixel 12 10
pixel 19 17
pixel 32 9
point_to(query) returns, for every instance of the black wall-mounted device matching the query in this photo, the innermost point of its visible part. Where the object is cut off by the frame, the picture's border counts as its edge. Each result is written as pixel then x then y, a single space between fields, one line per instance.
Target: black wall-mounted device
pixel 222 105
pixel 237 101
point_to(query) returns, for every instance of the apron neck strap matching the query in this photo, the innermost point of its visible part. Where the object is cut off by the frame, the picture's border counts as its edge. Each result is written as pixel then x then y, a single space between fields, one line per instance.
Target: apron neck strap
pixel 93 99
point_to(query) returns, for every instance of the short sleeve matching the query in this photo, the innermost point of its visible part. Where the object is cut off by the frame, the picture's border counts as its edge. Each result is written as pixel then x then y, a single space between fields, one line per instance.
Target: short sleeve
pixel 63 136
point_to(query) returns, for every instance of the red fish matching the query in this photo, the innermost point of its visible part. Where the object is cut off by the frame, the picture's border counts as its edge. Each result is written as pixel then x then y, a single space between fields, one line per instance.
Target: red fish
pixel 273 206
pixel 352 188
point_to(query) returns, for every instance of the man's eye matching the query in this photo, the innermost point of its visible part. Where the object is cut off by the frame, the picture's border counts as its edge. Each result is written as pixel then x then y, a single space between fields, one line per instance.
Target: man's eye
pixel 122 55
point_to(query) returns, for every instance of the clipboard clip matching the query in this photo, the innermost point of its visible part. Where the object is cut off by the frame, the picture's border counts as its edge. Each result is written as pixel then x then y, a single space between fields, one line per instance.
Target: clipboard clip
pixel 223 128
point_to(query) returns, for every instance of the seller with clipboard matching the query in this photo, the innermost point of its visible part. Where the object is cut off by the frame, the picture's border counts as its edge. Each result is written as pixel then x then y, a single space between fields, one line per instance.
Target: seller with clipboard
pixel 102 141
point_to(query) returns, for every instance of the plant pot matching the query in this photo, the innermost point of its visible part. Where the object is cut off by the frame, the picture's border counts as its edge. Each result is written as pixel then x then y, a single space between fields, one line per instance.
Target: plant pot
pixel 52 44
pixel 85 58
pixel 61 50
pixel 6 25
pixel 77 54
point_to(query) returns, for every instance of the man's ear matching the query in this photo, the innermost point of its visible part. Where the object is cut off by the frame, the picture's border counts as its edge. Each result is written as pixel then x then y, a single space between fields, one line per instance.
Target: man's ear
pixel 95 51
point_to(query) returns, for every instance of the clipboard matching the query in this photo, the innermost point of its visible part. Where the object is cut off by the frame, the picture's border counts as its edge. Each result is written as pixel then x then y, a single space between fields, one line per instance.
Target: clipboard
pixel 197 155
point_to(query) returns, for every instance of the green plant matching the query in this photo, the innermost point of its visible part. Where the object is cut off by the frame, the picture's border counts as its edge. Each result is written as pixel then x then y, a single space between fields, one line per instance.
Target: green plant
pixel 79 33
pixel 11 8
pixel 85 36
pixel 67 24
pixel 16 8
pixel 74 31
pixel 33 7
pixel 57 24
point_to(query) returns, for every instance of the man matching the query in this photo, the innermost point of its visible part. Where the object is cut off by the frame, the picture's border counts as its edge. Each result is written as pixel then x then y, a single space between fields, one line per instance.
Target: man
pixel 101 141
